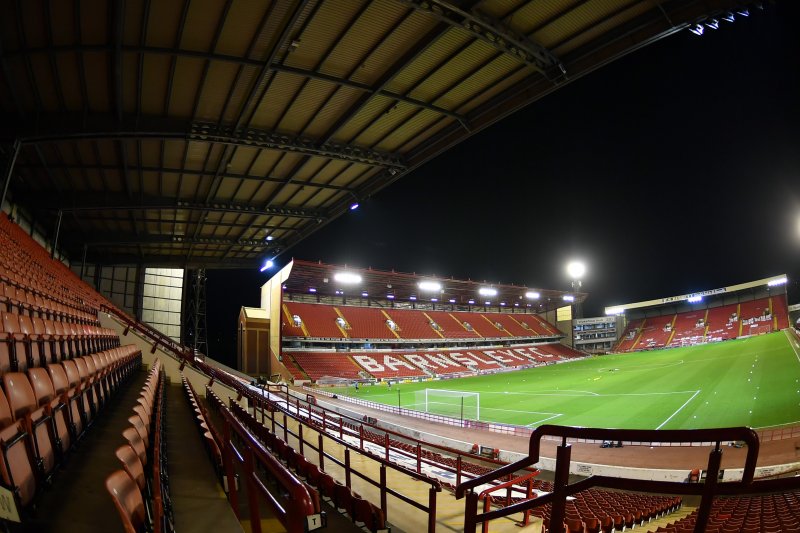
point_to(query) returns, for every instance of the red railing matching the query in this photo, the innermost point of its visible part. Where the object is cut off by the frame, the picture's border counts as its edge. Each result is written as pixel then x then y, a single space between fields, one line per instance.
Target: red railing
pixel 486 495
pixel 296 511
pixel 710 488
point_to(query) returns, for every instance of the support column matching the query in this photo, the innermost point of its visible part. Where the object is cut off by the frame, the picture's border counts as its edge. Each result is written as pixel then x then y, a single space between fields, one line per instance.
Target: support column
pixel 10 171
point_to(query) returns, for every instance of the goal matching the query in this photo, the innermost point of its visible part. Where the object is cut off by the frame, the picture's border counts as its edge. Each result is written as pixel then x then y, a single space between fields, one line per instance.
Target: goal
pixel 456 404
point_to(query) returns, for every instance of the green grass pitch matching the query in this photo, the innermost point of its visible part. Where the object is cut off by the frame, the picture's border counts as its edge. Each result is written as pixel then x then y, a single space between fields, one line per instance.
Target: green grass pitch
pixel 752 382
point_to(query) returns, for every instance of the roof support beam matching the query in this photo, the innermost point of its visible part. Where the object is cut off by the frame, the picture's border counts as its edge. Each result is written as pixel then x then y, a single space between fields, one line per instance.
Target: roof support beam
pixel 493 33
pixel 63 128
pixel 117 239
pixel 103 202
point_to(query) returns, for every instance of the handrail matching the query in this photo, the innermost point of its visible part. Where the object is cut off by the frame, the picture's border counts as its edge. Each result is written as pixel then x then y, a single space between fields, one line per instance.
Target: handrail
pixel 486 495
pixel 301 503
pixel 562 489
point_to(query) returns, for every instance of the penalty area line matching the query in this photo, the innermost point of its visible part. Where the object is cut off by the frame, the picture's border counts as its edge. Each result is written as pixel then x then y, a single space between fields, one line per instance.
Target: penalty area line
pixel 679 409
pixel 538 422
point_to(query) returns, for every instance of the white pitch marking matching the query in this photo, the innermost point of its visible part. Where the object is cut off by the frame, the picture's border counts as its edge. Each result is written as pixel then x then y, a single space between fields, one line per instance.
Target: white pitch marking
pixel 679 409
pixel 544 420
pixel 793 344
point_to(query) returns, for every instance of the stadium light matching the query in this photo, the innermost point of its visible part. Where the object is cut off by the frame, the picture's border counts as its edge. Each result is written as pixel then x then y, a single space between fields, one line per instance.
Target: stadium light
pixel 712 23
pixel 390 296
pixel 471 302
pixel 697 29
pixel 312 289
pixel 776 282
pixel 434 299
pixel 267 265
pixel 433 286
pixel 452 300
pixel 487 291
pixel 576 269
pixel 353 206
pixel 412 297
pixel 270 237
pixel 569 298
pixel 488 303
pixel 694 299
pixel 533 295
pixel 614 311
pixel 347 277
pixel 364 294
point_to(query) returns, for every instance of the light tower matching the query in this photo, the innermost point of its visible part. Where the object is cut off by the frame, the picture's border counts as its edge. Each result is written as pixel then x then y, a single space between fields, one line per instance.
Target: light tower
pixel 576 270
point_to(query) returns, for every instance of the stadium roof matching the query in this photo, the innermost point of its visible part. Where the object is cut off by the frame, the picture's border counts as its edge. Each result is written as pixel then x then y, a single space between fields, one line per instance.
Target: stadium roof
pixel 378 284
pixel 187 132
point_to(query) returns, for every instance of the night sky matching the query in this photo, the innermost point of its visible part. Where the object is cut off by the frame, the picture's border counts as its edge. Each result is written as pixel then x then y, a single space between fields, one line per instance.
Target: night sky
pixel 672 170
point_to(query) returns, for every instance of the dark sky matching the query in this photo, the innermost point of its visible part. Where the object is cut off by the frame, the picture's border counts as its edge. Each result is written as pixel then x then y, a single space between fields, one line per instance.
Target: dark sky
pixel 674 169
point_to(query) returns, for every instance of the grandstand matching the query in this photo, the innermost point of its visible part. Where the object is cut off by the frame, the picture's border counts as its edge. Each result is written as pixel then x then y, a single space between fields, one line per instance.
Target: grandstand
pixel 737 311
pixel 144 142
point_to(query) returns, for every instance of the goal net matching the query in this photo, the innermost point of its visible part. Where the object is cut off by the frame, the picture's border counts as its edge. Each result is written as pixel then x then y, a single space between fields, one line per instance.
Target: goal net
pixel 455 404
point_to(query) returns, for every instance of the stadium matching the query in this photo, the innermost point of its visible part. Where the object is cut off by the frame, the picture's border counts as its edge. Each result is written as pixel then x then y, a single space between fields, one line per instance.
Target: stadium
pixel 156 152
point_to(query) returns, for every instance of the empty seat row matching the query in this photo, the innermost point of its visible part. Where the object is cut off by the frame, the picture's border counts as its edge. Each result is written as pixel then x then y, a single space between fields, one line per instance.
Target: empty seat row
pixel 211 437
pixel 343 498
pixel 31 303
pixel 140 490
pixel 27 342
pixel 46 410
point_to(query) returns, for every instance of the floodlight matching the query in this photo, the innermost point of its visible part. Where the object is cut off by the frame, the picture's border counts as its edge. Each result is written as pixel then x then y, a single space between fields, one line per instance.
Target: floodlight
pixel 614 311
pixel 471 302
pixel 502 303
pixel 312 289
pixel 569 298
pixel 347 277
pixel 452 300
pixel 743 12
pixel 728 17
pixel 776 282
pixel 712 23
pixel 390 296
pixel 487 291
pixel 267 265
pixel 364 294
pixel 532 295
pixel 694 299
pixel 433 286
pixel 697 29
pixel 412 297
pixel 576 269
pixel 434 299
pixel 353 206
pixel 270 237
pixel 488 303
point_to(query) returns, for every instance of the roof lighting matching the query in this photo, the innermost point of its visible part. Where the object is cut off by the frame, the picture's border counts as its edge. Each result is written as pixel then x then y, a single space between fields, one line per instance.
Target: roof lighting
pixel 728 17
pixel 488 303
pixel 312 289
pixel 270 237
pixel 713 24
pixel 452 300
pixel 743 12
pixel 267 265
pixel 532 295
pixel 516 304
pixel 695 299
pixel 353 206
pixel 776 282
pixel 502 303
pixel 434 299
pixel 487 291
pixel 347 277
pixel 614 311
pixel 412 297
pixel 697 29
pixel 433 286
pixel 471 302
pixel 364 294
pixel 569 298
pixel 390 296
pixel 576 269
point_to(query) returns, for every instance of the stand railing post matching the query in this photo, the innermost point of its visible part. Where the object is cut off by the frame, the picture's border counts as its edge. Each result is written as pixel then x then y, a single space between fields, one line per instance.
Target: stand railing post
pixel 563 454
pixel 252 496
pixel 470 512
pixel 347 467
pixel 432 510
pixel 227 464
pixel 704 511
pixel 384 508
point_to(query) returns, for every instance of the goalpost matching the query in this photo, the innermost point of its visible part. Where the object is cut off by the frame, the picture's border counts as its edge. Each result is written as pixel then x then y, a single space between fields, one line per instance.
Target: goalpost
pixel 456 404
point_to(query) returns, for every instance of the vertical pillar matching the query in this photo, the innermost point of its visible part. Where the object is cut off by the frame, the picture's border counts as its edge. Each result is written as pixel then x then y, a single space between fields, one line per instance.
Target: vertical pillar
pixel 55 240
pixel 10 171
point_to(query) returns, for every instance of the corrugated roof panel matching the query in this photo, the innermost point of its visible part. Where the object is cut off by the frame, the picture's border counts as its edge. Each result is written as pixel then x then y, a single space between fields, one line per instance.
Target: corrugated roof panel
pixel 371 110
pixel 438 52
pixel 246 78
pixel 197 154
pixel 263 192
pixel 62 23
pixel 107 151
pixel 246 190
pixel 576 20
pixel 305 105
pixel 202 21
pixel 155 74
pixel 424 135
pixel 312 167
pixel 497 88
pixel 43 77
pixel 24 92
pixel 331 20
pixel 8 27
pixel 350 174
pixel 150 183
pixel 97 85
pixel 417 123
pixel 150 152
pixel 95 15
pixel 498 8
pixel 240 27
pixel 537 12
pixel 215 91
pixel 402 38
pixel 188 186
pixel 265 41
pixel 265 162
pixel 287 164
pixel 286 192
pixel 185 84
pixel 130 84
pixel 443 79
pixel 240 161
pixel 393 117
pixel 595 30
pixel 494 72
pixel 134 17
pixel 163 22
pixel 343 99
pixel 281 91
pixel 33 25
pixel 352 54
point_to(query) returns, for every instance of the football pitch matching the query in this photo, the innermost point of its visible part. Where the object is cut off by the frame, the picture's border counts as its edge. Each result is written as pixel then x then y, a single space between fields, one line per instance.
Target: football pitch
pixel 746 382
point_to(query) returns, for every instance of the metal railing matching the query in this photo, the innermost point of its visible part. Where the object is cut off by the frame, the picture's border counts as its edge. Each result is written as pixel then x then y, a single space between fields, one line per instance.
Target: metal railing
pixel 562 489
